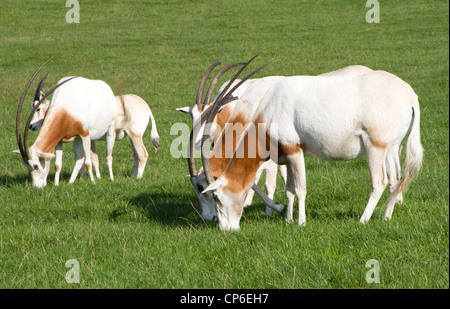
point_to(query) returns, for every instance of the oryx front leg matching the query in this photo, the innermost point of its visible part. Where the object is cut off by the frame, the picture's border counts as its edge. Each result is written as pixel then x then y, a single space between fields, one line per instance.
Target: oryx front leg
pixel 376 160
pixel 58 162
pixel 79 149
pixel 249 197
pixel 283 172
pixel 110 138
pixel 271 183
pixel 94 157
pixel 296 186
pixel 86 141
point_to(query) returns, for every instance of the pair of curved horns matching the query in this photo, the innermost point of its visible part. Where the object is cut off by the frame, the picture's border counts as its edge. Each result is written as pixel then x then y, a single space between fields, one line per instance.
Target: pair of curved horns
pixel 212 86
pixel 19 110
pixel 222 99
pixel 23 147
pixel 200 105
pixel 209 115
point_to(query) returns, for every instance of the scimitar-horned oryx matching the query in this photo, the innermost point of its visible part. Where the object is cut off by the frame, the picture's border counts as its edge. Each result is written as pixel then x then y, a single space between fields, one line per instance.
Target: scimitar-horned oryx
pixel 332 118
pixel 256 89
pixel 80 110
pixel 133 118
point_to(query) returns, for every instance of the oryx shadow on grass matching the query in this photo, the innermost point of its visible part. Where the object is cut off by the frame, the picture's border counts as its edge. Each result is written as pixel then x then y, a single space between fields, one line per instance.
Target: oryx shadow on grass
pixel 8 181
pixel 166 208
pixel 182 210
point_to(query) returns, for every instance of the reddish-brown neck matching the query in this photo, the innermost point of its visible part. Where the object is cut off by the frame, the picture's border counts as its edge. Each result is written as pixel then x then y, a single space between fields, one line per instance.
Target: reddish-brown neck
pixel 241 170
pixel 59 125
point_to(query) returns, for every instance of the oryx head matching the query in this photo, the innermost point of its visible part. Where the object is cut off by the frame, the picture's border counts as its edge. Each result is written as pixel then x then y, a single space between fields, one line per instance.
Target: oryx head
pixel 199 111
pixel 199 179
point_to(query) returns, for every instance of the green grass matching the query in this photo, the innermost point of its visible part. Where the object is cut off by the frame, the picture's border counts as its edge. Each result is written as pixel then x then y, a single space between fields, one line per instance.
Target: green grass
pixel 147 233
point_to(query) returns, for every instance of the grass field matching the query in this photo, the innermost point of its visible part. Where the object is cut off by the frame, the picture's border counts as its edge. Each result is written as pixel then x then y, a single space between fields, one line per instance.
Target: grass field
pixel 147 233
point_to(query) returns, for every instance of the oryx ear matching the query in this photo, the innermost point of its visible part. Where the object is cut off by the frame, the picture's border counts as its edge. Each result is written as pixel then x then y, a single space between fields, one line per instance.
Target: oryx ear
pixel 46 155
pixel 216 185
pixel 187 109
pixel 16 151
pixel 229 100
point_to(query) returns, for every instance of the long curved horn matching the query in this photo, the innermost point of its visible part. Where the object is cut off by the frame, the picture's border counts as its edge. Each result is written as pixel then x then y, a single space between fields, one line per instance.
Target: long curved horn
pixel 37 94
pixel 27 125
pixel 19 111
pixel 201 88
pixel 216 79
pixel 198 101
pixel 191 161
pixel 223 99
pixel 214 109
pixel 222 94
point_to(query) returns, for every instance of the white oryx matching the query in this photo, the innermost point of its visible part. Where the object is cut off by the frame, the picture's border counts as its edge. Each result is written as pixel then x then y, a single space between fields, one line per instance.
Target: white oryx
pixel 339 117
pixel 80 110
pixel 221 119
pixel 132 120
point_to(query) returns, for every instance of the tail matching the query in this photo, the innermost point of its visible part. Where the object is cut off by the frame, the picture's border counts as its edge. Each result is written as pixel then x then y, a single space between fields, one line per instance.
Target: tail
pixel 414 154
pixel 120 95
pixel 154 132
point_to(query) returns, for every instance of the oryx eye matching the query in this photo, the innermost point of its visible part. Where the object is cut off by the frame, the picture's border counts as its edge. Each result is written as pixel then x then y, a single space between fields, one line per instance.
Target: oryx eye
pixel 215 197
pixel 200 188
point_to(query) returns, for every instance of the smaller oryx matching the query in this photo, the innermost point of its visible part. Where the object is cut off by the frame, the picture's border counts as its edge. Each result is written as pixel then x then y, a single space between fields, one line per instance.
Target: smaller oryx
pixel 80 110
pixel 132 120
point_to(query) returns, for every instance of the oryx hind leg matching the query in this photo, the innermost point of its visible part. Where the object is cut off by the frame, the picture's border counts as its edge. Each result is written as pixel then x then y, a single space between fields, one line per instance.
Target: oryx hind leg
pixel 140 155
pixel 377 169
pixel 394 173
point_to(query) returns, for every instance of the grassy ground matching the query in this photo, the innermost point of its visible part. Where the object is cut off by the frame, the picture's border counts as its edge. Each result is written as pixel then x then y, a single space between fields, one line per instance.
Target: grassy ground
pixel 146 233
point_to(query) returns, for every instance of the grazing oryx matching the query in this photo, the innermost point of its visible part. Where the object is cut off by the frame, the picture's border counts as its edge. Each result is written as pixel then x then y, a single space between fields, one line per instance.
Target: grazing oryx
pixel 206 203
pixel 80 108
pixel 133 117
pixel 330 117
pixel 223 117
